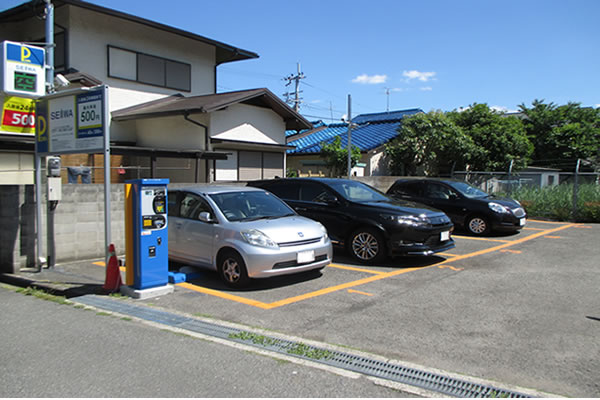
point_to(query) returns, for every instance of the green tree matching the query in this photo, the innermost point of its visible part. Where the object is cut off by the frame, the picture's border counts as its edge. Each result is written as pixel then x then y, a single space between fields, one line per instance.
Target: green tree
pixel 562 132
pixel 499 139
pixel 336 157
pixel 428 143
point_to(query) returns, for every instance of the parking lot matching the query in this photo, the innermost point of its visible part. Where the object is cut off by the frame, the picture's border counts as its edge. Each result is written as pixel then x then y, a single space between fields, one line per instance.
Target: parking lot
pixel 519 309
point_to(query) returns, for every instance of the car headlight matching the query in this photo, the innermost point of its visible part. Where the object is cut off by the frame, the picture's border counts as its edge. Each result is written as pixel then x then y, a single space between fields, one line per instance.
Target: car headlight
pixel 324 230
pixel 408 220
pixel 498 208
pixel 257 238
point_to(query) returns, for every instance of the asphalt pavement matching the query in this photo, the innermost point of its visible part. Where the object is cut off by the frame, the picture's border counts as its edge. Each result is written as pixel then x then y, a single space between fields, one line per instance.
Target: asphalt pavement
pixel 54 350
pixel 517 311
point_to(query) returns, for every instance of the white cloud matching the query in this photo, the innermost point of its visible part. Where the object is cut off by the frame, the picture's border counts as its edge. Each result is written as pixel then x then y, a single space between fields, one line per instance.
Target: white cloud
pixel 502 109
pixel 422 76
pixel 426 89
pixel 370 80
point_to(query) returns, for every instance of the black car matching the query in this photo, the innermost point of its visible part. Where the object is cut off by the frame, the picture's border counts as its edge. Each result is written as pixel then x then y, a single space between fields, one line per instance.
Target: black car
pixel 370 224
pixel 469 207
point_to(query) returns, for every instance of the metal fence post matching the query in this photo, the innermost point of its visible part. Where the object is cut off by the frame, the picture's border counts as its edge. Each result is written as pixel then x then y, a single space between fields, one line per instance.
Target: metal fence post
pixel 575 187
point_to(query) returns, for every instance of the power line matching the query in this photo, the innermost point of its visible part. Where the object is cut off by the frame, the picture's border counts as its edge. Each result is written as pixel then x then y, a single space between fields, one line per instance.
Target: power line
pixel 296 100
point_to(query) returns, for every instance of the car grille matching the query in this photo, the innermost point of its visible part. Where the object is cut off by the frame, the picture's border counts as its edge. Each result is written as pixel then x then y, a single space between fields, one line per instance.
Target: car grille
pixel 439 220
pixel 299 242
pixel 294 263
pixel 519 212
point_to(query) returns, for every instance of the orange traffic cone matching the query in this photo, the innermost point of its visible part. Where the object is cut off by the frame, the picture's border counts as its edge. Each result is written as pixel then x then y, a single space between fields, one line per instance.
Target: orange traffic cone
pixel 113 280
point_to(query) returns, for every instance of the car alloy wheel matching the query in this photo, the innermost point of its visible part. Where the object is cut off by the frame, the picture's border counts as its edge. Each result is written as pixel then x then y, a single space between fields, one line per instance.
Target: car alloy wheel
pixel 233 270
pixel 477 226
pixel 366 245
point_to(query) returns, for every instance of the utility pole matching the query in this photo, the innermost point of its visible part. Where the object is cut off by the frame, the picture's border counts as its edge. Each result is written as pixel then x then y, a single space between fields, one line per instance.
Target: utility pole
pixel 349 136
pixel 387 92
pixel 295 78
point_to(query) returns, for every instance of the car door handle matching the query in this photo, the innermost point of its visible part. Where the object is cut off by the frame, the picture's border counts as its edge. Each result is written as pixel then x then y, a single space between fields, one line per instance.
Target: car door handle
pixel 299 208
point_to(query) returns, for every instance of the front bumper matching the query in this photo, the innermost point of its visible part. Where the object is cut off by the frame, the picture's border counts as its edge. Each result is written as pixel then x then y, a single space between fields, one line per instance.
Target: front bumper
pixel 422 243
pixel 265 262
pixel 509 222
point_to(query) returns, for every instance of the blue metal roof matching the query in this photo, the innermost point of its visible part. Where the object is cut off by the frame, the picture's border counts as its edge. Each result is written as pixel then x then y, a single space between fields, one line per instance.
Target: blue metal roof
pixel 373 131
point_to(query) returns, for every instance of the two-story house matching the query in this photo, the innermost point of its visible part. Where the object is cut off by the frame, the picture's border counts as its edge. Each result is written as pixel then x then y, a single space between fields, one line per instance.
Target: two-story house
pixel 167 119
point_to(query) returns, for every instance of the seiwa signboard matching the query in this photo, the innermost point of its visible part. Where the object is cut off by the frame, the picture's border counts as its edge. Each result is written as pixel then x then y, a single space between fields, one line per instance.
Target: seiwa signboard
pixel 23 71
pixel 71 122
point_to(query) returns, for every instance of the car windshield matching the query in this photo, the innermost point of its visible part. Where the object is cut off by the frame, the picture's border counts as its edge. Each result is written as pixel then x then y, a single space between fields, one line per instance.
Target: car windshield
pixel 250 205
pixel 467 190
pixel 357 191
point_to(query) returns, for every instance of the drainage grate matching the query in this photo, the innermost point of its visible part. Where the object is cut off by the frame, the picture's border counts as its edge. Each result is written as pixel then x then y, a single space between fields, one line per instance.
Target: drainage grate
pixel 385 370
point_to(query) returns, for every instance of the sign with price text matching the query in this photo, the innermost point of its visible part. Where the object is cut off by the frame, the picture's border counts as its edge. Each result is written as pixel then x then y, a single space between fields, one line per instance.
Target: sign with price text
pixel 18 115
pixel 71 123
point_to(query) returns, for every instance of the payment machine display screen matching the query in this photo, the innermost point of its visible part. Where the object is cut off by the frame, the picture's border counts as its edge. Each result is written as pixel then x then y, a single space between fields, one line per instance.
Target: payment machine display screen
pixel 153 207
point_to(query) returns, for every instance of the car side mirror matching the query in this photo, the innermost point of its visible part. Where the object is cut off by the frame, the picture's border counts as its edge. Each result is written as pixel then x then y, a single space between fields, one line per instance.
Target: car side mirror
pixel 331 200
pixel 206 217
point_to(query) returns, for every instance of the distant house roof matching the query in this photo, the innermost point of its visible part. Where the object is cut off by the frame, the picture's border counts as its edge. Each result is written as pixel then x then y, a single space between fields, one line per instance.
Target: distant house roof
pixel 373 131
pixel 224 52
pixel 180 105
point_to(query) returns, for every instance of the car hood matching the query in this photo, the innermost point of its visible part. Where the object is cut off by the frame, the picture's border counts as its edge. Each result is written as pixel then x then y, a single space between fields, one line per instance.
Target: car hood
pixel 286 229
pixel 404 207
pixel 507 202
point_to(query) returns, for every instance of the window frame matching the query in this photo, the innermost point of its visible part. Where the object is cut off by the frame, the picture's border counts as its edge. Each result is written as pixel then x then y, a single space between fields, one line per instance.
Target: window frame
pixel 165 62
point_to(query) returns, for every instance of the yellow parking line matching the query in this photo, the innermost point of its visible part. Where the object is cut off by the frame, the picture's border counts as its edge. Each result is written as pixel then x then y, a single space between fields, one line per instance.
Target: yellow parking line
pixel 223 295
pixel 336 288
pixel 103 264
pixel 553 237
pixel 359 292
pixel 368 271
pixel 483 239
pixel 547 222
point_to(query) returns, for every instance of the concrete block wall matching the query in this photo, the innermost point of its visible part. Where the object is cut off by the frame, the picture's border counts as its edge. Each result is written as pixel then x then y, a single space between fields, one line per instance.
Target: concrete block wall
pixel 78 224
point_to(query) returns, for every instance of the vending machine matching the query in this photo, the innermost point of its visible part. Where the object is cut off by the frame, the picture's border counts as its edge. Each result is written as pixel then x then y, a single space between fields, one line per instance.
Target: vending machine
pixel 150 233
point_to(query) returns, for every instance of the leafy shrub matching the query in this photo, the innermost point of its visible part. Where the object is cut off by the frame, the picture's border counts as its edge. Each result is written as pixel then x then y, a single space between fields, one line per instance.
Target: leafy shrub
pixel 556 202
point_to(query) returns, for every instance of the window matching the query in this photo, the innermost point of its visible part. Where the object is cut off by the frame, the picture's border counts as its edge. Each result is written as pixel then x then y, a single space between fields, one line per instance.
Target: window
pixel 313 192
pixel 192 205
pixel 436 191
pixel 284 190
pixel 148 69
pixel 407 189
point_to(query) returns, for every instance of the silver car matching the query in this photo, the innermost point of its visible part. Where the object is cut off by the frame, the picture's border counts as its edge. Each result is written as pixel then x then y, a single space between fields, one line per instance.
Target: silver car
pixel 243 233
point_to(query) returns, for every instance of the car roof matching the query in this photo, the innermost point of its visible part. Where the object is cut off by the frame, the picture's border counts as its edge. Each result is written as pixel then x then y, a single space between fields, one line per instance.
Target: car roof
pixel 308 179
pixel 428 179
pixel 214 189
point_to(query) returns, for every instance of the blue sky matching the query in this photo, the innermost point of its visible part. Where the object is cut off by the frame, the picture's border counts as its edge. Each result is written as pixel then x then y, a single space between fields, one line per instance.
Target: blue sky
pixel 428 54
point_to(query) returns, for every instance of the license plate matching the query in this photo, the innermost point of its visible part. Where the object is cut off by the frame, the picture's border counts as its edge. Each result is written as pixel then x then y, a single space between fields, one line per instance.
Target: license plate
pixel 305 256
pixel 522 221
pixel 445 236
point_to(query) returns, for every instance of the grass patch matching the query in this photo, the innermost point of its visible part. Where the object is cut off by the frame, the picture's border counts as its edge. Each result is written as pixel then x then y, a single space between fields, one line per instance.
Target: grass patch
pixel 299 349
pixel 41 294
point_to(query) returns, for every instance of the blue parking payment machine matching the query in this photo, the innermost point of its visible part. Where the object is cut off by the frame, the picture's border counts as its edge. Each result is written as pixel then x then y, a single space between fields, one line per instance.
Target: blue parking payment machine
pixel 150 233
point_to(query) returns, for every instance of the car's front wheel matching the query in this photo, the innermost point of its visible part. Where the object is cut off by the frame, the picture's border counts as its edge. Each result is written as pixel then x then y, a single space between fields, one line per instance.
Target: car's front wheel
pixel 366 245
pixel 477 225
pixel 232 270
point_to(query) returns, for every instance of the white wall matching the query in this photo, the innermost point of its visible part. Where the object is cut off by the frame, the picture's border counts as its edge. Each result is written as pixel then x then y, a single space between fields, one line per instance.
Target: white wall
pixel 170 133
pixel 90 33
pixel 249 124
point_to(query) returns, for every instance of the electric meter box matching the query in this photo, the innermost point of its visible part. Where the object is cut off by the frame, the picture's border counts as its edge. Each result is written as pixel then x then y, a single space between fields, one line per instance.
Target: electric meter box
pixel 150 233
